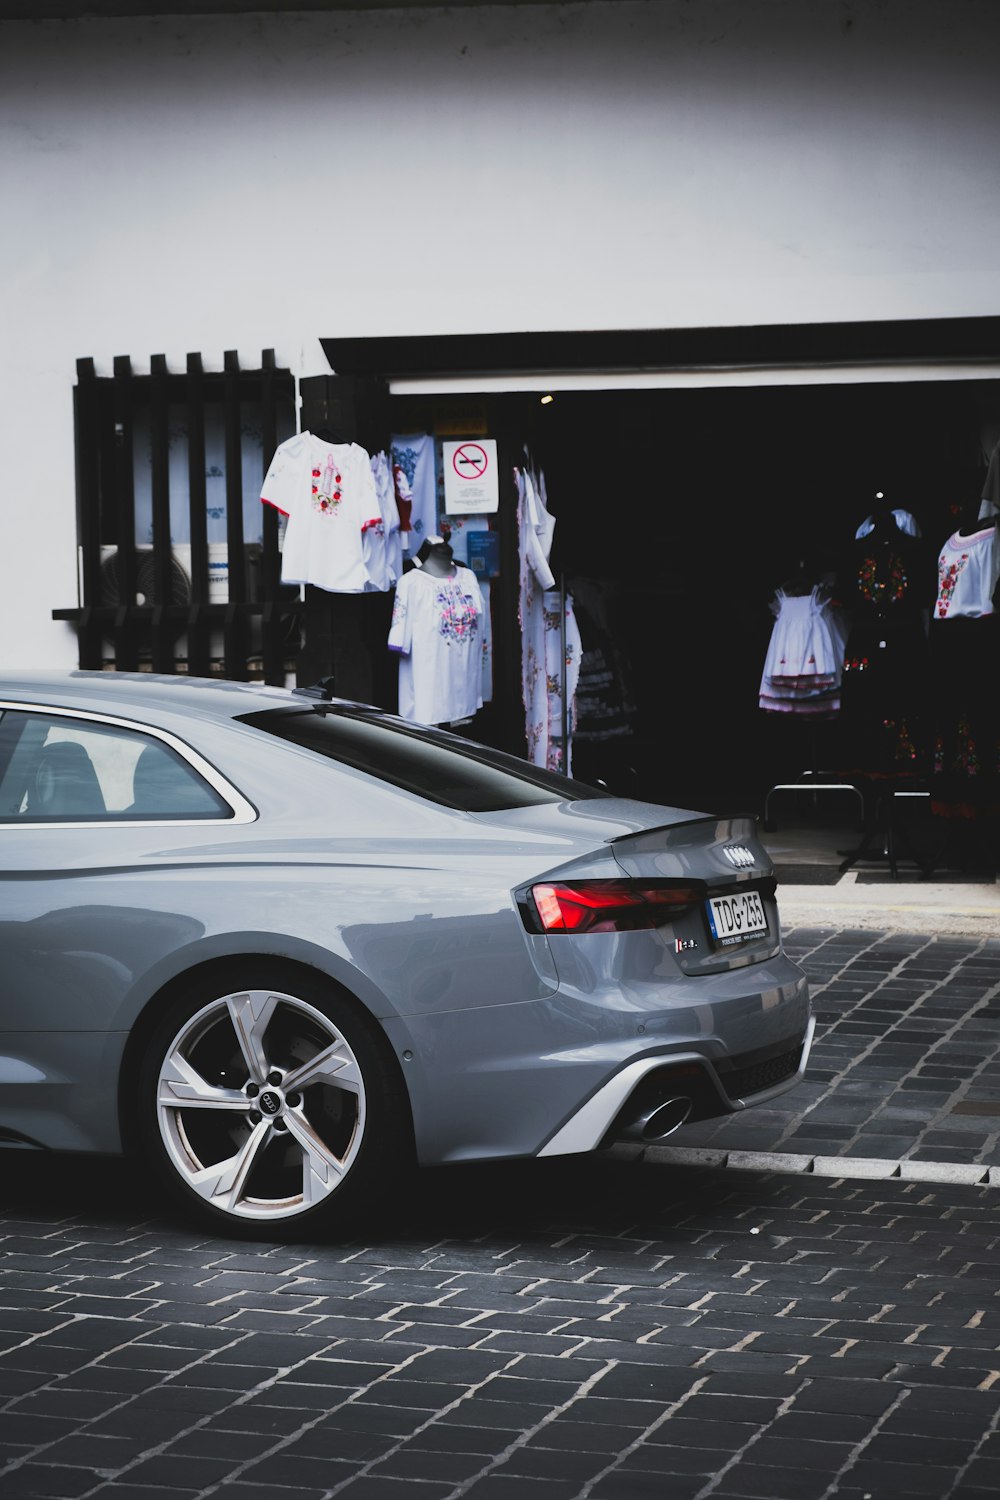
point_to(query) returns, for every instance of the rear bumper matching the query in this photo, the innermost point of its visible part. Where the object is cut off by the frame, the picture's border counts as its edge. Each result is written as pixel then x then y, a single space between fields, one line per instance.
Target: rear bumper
pixel 606 1116
pixel 548 1076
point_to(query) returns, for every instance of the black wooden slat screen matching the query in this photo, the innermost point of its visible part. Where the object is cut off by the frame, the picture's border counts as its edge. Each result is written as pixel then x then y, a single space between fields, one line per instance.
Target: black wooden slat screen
pixel 126 652
pixel 88 519
pixel 233 633
pixel 234 480
pixel 162 576
pixel 138 607
pixel 272 633
pixel 199 654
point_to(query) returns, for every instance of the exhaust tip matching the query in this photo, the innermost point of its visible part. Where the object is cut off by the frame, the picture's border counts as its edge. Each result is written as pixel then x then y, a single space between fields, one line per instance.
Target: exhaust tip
pixel 660 1121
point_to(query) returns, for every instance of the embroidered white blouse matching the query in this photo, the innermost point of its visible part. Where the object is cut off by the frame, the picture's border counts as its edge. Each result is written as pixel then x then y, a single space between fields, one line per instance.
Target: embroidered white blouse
pixel 967 575
pixel 327 491
pixel 437 631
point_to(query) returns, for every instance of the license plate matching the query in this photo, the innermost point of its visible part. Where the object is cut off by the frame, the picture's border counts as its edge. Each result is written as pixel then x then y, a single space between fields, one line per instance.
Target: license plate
pixel 736 918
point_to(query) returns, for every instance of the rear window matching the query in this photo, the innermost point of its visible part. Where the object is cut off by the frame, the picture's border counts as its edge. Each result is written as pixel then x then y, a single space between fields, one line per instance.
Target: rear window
pixel 431 763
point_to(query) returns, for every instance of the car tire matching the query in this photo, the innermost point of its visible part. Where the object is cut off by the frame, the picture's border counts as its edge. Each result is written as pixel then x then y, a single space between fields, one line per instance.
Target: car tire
pixel 268 1106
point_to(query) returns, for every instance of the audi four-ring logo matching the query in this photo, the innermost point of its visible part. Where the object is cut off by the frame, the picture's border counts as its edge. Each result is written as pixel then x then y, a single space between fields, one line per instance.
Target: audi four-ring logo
pixel 739 855
pixel 270 1103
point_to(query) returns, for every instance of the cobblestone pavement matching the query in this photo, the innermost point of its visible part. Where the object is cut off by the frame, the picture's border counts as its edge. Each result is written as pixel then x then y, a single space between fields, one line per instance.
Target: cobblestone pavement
pixel 587 1328
pixel 906 1061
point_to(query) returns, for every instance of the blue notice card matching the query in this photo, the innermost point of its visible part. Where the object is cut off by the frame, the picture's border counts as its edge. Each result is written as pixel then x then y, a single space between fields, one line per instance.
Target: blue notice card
pixel 484 553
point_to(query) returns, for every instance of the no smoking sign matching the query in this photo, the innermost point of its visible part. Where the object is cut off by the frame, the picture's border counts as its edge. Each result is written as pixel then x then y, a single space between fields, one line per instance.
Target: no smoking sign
pixel 471 486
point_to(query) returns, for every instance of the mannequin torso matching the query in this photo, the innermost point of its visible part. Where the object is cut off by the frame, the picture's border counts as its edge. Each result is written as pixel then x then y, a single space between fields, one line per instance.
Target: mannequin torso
pixel 438 560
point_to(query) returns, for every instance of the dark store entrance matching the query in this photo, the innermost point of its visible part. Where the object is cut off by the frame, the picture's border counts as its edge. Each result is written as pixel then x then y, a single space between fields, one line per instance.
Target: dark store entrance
pixel 688 508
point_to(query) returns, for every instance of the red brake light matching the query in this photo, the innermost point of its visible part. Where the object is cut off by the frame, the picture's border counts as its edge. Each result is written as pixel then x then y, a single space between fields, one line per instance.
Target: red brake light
pixel 609 905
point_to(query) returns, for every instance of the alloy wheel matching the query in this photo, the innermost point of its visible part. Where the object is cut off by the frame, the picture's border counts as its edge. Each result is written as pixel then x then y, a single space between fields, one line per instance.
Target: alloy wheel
pixel 260 1105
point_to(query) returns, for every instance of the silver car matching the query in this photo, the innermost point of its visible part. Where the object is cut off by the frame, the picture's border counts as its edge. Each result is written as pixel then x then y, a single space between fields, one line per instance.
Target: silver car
pixel 278 945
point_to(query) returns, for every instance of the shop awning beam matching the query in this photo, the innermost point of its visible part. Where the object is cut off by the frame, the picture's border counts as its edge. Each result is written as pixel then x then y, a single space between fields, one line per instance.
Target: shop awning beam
pixel 922 342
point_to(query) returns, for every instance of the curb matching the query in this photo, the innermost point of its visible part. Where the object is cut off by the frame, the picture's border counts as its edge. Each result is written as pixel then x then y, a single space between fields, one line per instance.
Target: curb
pixel 847 1168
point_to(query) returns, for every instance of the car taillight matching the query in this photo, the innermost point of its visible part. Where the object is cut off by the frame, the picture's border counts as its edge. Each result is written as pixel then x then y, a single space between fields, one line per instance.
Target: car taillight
pixel 609 905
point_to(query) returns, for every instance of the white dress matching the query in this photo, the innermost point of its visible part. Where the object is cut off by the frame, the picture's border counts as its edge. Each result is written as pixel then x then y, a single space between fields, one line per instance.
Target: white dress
pixel 805 657
pixel 437 631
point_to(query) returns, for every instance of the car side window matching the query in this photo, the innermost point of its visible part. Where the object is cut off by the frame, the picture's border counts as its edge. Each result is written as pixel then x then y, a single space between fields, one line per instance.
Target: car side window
pixel 59 770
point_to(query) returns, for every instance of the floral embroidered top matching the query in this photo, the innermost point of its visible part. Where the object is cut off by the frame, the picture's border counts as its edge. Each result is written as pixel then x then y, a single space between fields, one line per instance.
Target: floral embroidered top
pixel 437 631
pixel 967 575
pixel 327 491
pixel 882 579
pixel 891 574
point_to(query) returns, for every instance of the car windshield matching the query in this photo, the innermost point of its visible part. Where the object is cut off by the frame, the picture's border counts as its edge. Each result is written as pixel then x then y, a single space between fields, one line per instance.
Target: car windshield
pixel 442 767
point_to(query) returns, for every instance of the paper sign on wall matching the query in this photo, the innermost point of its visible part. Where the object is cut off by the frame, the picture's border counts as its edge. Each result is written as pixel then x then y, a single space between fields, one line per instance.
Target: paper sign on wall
pixel 471 484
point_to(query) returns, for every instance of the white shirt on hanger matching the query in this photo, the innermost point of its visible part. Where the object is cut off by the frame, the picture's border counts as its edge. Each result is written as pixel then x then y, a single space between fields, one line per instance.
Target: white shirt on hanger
pixel 328 493
pixel 906 522
pixel 539 526
pixel 437 631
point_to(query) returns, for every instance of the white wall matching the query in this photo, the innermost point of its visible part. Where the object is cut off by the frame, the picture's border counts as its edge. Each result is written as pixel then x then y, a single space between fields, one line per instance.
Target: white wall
pixel 251 181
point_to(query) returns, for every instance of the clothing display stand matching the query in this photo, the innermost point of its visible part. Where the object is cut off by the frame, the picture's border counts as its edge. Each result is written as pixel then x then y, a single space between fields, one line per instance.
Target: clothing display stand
pixel 884 829
pixel 815 782
pixel 810 781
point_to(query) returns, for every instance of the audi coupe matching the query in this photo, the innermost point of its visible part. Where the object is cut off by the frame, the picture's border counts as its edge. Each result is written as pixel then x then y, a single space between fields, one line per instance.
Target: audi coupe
pixel 285 947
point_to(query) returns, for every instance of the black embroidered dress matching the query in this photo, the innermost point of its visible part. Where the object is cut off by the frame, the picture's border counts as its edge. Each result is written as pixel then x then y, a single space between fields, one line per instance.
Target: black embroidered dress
pixel 884 697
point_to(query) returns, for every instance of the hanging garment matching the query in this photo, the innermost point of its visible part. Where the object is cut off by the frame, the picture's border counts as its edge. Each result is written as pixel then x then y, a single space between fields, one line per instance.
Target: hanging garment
pixel 416 489
pixel 990 507
pixel 535 527
pixel 964 649
pixel 484 589
pixel 904 520
pixel 604 707
pixel 562 665
pixel 437 631
pixel 537 530
pixel 802 667
pixel 884 688
pixel 381 546
pixel 328 493
pixel 967 575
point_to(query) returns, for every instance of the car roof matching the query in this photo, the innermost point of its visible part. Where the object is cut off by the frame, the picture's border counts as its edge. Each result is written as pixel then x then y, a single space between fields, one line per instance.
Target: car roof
pixel 144 695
